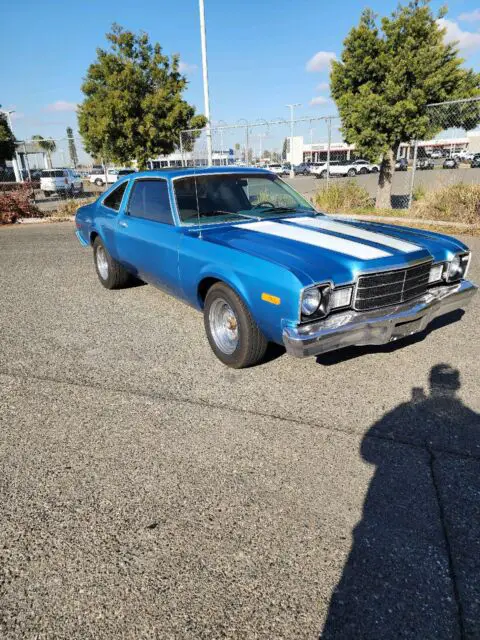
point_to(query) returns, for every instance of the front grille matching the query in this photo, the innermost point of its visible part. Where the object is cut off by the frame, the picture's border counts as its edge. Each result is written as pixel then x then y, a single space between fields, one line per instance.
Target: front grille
pixel 391 287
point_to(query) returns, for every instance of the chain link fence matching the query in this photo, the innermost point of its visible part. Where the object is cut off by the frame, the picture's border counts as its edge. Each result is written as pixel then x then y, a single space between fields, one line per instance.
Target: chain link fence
pixel 451 156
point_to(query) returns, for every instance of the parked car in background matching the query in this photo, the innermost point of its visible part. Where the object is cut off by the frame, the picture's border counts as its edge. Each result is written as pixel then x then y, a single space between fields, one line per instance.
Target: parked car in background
pixel 278 169
pixel 302 169
pixel 352 168
pixel 401 164
pixel 262 265
pixel 60 181
pixel 475 164
pixel 425 163
pixel 112 176
pixel 463 156
pixel 436 154
pixel 450 163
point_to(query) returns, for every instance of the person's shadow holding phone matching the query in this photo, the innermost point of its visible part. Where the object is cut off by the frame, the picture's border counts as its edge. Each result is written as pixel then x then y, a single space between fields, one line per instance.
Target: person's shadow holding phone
pixel 414 567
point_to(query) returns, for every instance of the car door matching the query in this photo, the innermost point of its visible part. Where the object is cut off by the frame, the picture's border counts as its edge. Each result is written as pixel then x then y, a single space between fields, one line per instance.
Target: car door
pixel 108 208
pixel 147 238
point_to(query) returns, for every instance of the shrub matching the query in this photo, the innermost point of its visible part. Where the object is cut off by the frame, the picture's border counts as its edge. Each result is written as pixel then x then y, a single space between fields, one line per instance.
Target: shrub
pixel 17 203
pixel 343 197
pixel 455 203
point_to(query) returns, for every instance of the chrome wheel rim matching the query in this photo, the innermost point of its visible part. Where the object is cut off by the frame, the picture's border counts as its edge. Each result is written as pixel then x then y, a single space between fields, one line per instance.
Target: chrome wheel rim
pixel 223 326
pixel 102 263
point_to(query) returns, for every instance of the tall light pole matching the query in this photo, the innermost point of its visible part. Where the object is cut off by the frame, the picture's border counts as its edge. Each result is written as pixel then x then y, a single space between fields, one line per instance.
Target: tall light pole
pixel 292 107
pixel 206 95
pixel 15 160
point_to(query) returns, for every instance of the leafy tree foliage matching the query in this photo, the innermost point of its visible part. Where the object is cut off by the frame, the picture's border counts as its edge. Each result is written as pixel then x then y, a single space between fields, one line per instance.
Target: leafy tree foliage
pixel 46 144
pixel 386 78
pixel 133 107
pixel 72 149
pixel 7 141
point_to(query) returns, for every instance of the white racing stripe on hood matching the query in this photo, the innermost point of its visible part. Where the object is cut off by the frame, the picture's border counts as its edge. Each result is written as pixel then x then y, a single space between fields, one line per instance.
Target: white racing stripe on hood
pixel 317 239
pixel 355 232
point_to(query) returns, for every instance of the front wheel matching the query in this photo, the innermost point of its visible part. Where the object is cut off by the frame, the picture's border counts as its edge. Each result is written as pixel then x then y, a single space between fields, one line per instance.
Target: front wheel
pixel 99 182
pixel 351 173
pixel 232 333
pixel 324 173
pixel 110 272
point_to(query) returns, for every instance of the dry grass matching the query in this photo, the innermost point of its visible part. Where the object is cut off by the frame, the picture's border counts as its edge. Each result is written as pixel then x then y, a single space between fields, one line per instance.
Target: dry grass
pixel 343 197
pixel 68 208
pixel 455 203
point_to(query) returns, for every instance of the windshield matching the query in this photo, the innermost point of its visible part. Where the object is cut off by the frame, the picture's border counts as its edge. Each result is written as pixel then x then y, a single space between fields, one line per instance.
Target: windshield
pixel 59 173
pixel 232 197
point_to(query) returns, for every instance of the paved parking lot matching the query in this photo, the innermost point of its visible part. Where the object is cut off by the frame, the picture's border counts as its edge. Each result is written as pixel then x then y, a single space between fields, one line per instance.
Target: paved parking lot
pixel 149 492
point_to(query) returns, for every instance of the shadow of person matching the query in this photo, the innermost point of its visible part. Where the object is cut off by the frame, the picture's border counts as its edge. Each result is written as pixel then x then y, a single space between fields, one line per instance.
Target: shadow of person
pixel 414 567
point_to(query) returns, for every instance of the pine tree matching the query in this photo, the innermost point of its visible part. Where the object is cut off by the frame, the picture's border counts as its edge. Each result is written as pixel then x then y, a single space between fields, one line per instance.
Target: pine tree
pixel 133 107
pixel 386 78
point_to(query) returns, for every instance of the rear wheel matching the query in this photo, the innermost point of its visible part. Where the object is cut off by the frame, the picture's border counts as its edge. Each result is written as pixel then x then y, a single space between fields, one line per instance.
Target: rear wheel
pixel 375 169
pixel 99 182
pixel 351 173
pixel 232 333
pixel 110 272
pixel 324 173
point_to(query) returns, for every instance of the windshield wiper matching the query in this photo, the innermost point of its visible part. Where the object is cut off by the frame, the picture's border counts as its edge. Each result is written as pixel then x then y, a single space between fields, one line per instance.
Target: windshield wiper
pixel 230 213
pixel 279 209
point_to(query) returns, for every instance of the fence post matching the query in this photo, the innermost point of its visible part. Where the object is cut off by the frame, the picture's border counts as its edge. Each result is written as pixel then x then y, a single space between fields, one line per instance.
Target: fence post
pixel 412 179
pixel 181 148
pixel 329 128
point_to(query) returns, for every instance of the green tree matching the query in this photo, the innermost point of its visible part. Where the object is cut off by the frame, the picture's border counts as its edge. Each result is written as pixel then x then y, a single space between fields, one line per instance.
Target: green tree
pixel 386 78
pixel 46 144
pixel 285 149
pixel 133 106
pixel 72 149
pixel 7 141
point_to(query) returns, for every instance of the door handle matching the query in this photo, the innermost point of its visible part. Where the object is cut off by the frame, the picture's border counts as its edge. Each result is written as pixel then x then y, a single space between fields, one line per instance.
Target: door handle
pixel 122 224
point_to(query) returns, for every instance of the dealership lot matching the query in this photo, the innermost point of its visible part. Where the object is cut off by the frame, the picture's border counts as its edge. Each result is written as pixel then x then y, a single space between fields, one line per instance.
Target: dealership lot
pixel 148 491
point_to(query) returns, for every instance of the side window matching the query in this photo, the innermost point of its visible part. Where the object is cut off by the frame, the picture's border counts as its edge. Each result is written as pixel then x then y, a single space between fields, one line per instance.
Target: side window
pixel 149 200
pixel 114 199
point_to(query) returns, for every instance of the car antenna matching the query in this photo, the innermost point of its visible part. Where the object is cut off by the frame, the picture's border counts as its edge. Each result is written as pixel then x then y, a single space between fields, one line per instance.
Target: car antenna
pixel 196 199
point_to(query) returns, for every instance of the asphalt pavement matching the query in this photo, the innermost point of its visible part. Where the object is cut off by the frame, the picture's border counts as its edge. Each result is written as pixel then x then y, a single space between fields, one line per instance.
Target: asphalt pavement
pixel 149 492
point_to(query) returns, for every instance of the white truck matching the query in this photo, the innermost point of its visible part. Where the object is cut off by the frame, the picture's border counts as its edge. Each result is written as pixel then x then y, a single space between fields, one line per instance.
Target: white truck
pixel 353 168
pixel 112 176
pixel 60 181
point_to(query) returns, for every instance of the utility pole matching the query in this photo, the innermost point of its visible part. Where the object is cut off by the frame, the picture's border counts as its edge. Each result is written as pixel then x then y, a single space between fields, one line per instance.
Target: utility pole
pixel 206 95
pixel 292 107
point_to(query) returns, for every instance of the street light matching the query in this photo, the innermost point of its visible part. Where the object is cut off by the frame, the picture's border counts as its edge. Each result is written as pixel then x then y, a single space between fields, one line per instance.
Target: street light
pixel 15 161
pixel 206 96
pixel 292 107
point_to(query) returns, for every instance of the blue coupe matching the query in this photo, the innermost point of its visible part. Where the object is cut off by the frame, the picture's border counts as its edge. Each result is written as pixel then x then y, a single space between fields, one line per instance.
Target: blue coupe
pixel 263 265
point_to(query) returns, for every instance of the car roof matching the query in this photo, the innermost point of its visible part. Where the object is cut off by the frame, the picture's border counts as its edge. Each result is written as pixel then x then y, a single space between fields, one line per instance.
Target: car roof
pixel 172 172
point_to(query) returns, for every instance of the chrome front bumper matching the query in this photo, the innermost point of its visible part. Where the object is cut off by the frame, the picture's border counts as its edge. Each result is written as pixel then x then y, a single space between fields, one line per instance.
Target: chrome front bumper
pixel 376 327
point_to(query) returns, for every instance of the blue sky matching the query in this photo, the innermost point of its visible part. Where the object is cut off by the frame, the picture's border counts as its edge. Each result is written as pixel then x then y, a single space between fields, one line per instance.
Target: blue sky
pixel 259 51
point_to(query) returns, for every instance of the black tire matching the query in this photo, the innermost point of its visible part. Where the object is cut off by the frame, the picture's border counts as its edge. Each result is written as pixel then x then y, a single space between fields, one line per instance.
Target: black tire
pixel 324 174
pixel 375 169
pixel 251 345
pixel 99 182
pixel 363 170
pixel 117 276
pixel 351 173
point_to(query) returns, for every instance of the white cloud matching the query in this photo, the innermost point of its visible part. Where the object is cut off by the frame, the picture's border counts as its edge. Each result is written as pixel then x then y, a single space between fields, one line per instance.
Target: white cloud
pixel 318 100
pixel 467 40
pixel 322 86
pixel 321 61
pixel 473 16
pixel 61 105
pixel 16 115
pixel 184 67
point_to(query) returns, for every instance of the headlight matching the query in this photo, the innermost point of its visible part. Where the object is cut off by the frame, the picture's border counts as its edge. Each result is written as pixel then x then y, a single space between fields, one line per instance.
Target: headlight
pixel 457 267
pixel 311 301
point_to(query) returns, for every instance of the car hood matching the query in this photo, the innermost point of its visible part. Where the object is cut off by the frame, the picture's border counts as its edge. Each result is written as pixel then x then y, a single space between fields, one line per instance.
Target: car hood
pixel 318 248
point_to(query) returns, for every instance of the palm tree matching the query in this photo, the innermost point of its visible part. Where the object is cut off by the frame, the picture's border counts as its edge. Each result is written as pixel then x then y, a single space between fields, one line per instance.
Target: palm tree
pixel 48 145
